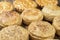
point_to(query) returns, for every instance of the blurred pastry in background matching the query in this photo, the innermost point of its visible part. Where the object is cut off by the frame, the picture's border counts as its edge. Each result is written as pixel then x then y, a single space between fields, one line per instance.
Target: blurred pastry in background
pixel 56 24
pixel 21 5
pixel 41 30
pixel 11 1
pixel 51 39
pixel 30 15
pixel 10 18
pixel 50 12
pixel 14 32
pixel 5 6
pixel 46 2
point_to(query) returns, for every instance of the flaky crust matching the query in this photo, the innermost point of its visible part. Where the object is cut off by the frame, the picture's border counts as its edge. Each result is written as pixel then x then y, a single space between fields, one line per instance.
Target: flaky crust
pixel 5 6
pixel 30 15
pixel 46 2
pixel 50 12
pixel 21 5
pixel 10 18
pixel 14 32
pixel 36 38
pixel 41 30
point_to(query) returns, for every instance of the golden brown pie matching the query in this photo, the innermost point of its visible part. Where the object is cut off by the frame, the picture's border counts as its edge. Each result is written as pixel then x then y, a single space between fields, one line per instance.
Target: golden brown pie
pixel 30 15
pixel 10 18
pixel 41 30
pixel 14 32
pixel 5 6
pixel 56 24
pixel 50 12
pixel 21 5
pixel 46 2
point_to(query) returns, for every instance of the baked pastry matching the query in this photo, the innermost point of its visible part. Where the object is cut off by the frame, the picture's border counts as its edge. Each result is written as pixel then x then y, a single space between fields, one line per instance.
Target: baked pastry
pixel 14 32
pixel 41 30
pixel 21 5
pixel 5 6
pixel 10 18
pixel 46 2
pixel 50 12
pixel 50 39
pixel 56 24
pixel 30 15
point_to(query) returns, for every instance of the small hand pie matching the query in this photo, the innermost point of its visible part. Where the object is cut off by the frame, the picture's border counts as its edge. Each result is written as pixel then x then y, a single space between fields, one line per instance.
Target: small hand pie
pixel 41 30
pixel 50 12
pixel 21 5
pixel 30 15
pixel 5 6
pixel 46 2
pixel 10 18
pixel 14 32
pixel 56 24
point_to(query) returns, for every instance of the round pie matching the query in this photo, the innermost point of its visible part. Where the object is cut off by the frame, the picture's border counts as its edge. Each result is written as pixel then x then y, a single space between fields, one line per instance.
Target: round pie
pixel 21 5
pixel 40 30
pixel 5 6
pixel 50 12
pixel 10 18
pixel 46 2
pixel 56 24
pixel 30 15
pixel 14 32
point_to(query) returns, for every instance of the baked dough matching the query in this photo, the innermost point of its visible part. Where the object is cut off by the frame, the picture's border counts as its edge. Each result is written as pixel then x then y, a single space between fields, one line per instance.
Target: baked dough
pixel 46 2
pixel 51 39
pixel 21 5
pixel 41 30
pixel 30 15
pixel 10 18
pixel 5 6
pixel 50 12
pixel 14 32
pixel 56 24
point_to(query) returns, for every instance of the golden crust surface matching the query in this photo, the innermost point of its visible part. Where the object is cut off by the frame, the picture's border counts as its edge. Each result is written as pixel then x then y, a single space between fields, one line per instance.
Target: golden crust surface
pixel 30 15
pixel 50 12
pixel 14 32
pixel 56 23
pixel 41 29
pixel 10 18
pixel 5 6
pixel 46 2
pixel 24 4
